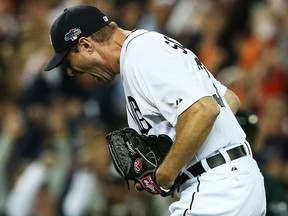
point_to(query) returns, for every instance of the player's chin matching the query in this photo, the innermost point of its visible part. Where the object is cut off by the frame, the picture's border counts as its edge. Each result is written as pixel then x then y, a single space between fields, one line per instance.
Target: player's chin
pixel 103 81
pixel 104 76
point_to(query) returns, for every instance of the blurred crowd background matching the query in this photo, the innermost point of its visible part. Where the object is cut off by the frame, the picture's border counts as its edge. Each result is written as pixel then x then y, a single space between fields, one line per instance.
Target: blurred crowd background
pixel 53 154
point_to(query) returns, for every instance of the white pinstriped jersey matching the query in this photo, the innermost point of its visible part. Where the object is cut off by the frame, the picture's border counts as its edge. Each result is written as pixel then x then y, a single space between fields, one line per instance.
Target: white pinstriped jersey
pixel 161 80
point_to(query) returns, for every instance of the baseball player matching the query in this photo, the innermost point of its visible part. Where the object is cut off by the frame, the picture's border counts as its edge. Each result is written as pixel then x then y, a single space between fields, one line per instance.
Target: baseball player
pixel 169 91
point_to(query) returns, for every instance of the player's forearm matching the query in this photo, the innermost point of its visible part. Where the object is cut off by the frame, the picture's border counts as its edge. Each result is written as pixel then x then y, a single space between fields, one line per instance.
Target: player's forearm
pixel 193 127
pixel 232 100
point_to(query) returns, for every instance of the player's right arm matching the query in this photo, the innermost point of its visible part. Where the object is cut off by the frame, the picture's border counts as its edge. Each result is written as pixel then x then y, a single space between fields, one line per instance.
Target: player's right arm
pixel 193 127
pixel 232 100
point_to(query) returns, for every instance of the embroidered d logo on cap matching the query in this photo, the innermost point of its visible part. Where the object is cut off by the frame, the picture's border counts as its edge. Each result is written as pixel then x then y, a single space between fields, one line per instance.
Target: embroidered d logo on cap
pixel 73 23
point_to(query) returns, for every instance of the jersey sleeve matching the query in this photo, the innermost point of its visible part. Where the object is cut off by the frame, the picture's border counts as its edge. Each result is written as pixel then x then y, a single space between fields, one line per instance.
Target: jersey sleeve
pixel 166 76
pixel 172 85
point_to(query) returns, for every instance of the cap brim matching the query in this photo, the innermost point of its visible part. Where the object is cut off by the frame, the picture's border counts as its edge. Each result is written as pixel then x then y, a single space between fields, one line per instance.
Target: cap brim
pixel 56 60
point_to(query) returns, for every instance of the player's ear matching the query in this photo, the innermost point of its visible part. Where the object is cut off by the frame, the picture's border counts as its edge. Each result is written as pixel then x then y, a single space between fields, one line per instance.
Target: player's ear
pixel 86 44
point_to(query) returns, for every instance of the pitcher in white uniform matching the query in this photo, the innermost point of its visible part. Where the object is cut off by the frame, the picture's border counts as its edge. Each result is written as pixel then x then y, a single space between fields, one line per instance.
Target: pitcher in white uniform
pixel 169 91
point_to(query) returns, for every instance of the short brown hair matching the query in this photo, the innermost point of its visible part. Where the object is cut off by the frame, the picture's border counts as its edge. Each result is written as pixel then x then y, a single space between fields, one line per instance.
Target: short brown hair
pixel 104 33
pixel 100 36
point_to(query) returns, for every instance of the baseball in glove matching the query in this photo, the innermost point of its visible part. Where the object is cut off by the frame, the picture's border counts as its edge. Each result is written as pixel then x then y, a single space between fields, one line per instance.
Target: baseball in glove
pixel 137 157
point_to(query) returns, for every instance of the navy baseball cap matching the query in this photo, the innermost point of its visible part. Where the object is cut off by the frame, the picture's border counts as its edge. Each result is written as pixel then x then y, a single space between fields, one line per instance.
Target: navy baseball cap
pixel 73 23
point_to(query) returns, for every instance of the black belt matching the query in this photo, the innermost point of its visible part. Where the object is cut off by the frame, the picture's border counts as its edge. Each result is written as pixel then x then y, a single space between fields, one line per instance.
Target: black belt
pixel 214 161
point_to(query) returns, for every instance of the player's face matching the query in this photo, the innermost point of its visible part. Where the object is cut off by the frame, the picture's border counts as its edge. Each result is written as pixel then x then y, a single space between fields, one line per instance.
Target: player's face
pixel 81 63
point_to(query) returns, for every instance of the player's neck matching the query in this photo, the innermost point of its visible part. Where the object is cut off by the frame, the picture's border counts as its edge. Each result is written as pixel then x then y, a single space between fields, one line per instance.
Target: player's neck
pixel 120 36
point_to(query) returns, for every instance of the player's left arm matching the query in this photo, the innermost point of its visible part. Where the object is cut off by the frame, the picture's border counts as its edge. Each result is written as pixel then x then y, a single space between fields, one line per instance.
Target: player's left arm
pixel 192 129
pixel 232 100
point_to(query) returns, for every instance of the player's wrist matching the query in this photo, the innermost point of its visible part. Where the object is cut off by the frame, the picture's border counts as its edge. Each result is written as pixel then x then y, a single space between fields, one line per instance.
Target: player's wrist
pixel 163 181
